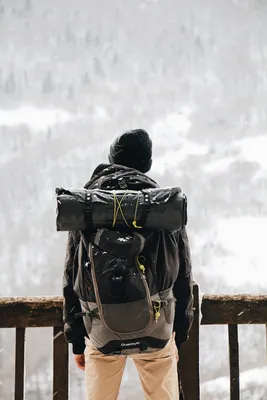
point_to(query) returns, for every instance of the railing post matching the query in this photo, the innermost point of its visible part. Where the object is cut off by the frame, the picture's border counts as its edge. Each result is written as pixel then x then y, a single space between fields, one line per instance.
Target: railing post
pixel 60 366
pixel 234 362
pixel 19 364
pixel 189 356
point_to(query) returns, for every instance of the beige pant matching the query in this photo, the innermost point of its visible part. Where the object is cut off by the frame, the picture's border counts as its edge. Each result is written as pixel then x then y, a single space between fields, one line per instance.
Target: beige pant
pixel 157 372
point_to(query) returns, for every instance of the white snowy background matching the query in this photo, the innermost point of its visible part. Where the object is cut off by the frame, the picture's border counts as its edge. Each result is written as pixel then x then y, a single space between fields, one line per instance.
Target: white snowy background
pixel 193 74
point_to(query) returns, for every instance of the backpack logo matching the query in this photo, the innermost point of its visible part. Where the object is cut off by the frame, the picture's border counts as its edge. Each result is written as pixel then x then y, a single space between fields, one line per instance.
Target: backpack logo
pixel 130 344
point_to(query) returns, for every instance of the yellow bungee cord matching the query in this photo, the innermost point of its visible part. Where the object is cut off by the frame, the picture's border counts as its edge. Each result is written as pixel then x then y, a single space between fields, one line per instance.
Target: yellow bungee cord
pixel 118 207
pixel 116 210
pixel 135 213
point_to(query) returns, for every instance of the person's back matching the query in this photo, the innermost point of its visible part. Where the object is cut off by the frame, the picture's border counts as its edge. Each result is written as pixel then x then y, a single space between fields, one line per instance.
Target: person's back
pixel 168 272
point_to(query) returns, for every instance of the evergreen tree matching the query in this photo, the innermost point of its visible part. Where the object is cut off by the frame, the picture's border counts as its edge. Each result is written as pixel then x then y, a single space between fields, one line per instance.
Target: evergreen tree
pixel 98 67
pixel 115 58
pixel 10 84
pixel 48 85
pixel 88 38
pixel 70 92
pixel 69 35
pixel 28 5
pixel 85 79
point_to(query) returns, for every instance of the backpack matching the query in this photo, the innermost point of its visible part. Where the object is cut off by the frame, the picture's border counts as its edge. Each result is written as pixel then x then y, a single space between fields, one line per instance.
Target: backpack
pixel 125 308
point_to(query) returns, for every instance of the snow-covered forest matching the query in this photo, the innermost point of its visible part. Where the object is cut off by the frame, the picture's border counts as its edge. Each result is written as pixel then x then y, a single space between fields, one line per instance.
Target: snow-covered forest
pixel 73 74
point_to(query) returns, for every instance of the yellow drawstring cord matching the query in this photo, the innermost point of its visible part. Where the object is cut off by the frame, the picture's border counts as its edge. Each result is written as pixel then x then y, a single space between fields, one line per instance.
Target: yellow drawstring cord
pixel 119 208
pixel 116 210
pixel 157 309
pixel 157 303
pixel 135 214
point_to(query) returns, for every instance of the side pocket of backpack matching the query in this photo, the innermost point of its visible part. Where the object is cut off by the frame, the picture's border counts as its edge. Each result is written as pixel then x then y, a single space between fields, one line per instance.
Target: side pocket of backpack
pixel 169 311
pixel 169 302
pixel 83 286
pixel 88 318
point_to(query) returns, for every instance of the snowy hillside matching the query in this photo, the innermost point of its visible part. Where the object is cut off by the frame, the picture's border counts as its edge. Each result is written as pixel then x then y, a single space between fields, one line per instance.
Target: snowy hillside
pixel 253 386
pixel 193 75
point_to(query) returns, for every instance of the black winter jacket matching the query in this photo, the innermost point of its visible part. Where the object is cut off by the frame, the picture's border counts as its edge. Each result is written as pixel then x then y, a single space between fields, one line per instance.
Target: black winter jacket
pixel 183 288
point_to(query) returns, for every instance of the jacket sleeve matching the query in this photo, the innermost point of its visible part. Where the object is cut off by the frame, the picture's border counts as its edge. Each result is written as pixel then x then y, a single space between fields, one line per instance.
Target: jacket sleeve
pixel 74 328
pixel 183 291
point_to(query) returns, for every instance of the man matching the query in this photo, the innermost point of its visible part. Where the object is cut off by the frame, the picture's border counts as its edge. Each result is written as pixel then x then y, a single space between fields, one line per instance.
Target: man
pixel 157 369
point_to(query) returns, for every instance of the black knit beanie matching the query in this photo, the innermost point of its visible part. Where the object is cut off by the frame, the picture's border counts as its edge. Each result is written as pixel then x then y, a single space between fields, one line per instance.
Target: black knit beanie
pixel 132 149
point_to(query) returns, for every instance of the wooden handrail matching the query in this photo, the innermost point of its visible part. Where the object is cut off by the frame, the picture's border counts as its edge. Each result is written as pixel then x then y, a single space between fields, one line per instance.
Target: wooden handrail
pixel 21 312
pixel 234 309
pixel 25 312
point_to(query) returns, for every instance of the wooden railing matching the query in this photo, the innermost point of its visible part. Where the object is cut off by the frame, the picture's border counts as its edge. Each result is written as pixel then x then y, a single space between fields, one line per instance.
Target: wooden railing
pixel 28 312
pixel 234 310
pixel 21 313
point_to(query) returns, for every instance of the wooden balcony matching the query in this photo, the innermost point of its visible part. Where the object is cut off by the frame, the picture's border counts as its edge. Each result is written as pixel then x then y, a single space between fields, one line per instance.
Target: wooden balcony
pixel 25 312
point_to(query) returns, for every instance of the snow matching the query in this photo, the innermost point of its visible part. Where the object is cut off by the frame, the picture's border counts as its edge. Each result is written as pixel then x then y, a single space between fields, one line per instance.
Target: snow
pixel 252 384
pixel 35 118
pixel 100 113
pixel 219 166
pixel 180 121
pixel 163 132
pixel 236 265
pixel 186 148
pixel 121 239
pixel 252 149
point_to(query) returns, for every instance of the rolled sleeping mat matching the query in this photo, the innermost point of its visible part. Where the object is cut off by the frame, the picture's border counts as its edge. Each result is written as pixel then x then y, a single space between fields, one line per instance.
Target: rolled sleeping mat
pixel 149 209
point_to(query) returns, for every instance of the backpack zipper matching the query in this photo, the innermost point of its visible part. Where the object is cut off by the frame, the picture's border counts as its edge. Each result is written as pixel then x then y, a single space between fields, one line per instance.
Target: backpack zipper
pixel 143 277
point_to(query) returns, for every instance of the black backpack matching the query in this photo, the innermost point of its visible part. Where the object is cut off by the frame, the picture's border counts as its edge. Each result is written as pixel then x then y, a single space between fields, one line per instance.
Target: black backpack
pixel 125 308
